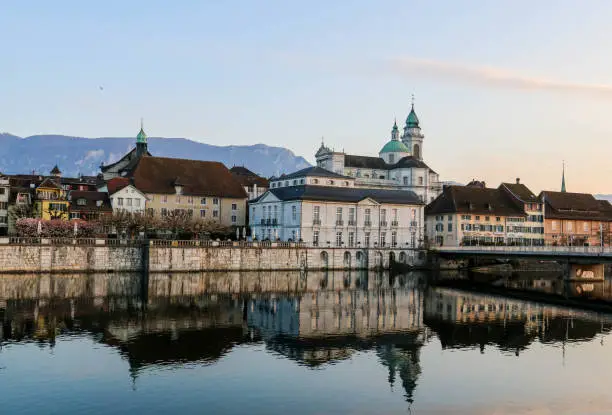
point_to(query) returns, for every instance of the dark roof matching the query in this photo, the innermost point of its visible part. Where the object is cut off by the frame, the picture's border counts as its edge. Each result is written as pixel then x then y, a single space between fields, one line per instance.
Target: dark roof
pixel 199 178
pixel 247 178
pixel 473 200
pixel 132 158
pixel 91 198
pixel 366 162
pixel 521 192
pixel 313 172
pixel 117 183
pixel 340 194
pixel 563 205
pixel 50 184
pixel 56 170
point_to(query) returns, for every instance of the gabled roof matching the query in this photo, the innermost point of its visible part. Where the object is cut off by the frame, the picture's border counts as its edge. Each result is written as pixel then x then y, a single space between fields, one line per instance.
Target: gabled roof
pixel 91 199
pixel 49 183
pixel 521 192
pixel 199 178
pixel 247 178
pixel 342 194
pixel 581 206
pixel 314 172
pixel 366 162
pixel 117 183
pixel 131 158
pixel 473 200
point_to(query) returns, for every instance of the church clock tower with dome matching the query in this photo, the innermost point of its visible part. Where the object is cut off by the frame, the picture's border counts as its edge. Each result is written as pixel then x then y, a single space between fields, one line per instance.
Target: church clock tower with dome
pixel 399 164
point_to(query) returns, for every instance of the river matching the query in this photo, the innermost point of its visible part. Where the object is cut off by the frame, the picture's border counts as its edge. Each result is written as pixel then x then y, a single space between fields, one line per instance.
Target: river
pixel 284 342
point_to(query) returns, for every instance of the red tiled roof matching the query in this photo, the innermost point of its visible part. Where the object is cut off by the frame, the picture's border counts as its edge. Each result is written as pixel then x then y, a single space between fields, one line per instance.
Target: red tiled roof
pixel 117 183
pixel 198 178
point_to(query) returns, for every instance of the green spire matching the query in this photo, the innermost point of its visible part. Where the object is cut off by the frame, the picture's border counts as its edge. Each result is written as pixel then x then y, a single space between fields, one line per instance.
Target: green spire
pixel 563 179
pixel 412 121
pixel 142 136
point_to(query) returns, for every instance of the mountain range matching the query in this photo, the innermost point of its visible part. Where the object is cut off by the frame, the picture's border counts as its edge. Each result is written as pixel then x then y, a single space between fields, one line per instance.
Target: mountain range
pixel 77 155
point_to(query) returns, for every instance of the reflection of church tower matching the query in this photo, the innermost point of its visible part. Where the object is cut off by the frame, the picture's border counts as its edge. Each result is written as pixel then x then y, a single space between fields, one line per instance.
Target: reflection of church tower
pixel 413 138
pixel 402 360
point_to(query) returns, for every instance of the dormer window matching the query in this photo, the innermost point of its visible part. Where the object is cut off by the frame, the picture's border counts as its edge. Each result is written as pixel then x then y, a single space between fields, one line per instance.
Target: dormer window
pixel 315 181
pixel 98 203
pixel 178 189
pixel 331 182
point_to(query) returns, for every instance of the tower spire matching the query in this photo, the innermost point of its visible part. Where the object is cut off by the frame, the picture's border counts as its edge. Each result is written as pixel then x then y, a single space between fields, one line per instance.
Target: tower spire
pixel 563 178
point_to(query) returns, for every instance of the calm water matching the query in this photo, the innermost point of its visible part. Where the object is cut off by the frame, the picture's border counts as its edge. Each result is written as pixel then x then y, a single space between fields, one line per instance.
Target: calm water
pixel 267 343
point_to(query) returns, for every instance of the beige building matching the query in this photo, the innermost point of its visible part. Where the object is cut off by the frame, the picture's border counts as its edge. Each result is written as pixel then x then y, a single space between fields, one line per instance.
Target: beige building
pixel 203 189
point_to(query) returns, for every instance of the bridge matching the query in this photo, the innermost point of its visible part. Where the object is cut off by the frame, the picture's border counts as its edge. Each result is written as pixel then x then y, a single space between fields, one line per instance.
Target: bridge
pixel 583 261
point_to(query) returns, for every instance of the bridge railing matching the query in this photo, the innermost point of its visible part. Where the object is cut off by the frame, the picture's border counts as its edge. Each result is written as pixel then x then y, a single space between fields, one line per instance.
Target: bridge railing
pixel 529 249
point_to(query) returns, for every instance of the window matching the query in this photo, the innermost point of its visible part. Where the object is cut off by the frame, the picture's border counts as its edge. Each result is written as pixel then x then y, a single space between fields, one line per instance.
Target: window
pixel 150 211
pixel 234 219
pixel 586 226
pixel 316 211
pixel 338 238
pixel 178 199
pixel 393 238
pixel 3 205
pixel 498 219
pixel 368 218
pixel 338 215
pixel 366 239
pixel 164 199
pixel 477 217
pixel 202 213
pixel 203 201
pixel 315 181
pixel 346 184
pixel 487 219
pixel 286 183
pixel 275 211
pixel 128 201
pixel 351 215
pixel 331 182
pixel 383 215
pixel 383 237
pixel 74 215
pixel 450 227
pixel 215 213
pixel 119 201
pixel 137 202
pixel 553 225
pixel 294 213
pixel 295 182
pixel 234 206
pixel 83 202
pixel 420 181
pixel 315 238
pixel 570 226
pixel 164 212
pixel 2 190
pixel 394 213
pixel 405 180
pixel 351 239
pixel 190 200
pixel 391 158
pixel 215 201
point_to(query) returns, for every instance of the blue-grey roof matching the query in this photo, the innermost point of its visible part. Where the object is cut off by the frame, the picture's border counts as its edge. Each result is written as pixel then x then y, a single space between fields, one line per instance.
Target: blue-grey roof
pixel 314 171
pixel 379 164
pixel 340 194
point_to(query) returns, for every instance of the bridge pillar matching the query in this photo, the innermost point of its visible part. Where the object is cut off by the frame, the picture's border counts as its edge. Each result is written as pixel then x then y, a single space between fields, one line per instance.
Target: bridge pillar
pixel 594 272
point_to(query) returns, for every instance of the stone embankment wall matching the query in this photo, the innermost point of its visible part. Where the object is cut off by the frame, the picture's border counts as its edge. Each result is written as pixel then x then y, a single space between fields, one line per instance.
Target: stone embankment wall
pixel 100 257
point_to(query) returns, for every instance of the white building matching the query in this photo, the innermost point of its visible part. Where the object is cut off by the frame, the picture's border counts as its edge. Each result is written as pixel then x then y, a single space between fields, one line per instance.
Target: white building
pixel 324 208
pixel 124 196
pixel 399 164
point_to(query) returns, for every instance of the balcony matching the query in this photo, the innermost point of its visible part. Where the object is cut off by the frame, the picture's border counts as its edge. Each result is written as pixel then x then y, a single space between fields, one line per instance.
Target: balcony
pixel 316 221
pixel 339 223
pixel 383 223
pixel 367 223
pixel 352 223
pixel 394 223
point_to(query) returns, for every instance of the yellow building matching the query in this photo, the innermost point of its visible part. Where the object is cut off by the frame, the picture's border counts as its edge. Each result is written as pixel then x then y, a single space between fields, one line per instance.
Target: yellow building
pixel 51 201
pixel 204 189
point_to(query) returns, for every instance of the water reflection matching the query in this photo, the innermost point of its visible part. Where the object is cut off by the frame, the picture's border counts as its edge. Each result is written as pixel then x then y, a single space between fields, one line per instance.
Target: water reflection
pixel 314 319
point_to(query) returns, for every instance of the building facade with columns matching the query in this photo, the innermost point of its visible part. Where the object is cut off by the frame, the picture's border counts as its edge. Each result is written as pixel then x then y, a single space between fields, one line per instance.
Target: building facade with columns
pixel 324 208
pixel 399 165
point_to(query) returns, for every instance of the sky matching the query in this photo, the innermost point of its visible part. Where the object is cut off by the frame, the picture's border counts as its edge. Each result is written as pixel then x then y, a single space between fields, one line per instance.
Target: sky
pixel 503 89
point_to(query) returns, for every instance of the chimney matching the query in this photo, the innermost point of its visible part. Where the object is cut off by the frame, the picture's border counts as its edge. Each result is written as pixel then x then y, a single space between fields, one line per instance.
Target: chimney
pixel 518 180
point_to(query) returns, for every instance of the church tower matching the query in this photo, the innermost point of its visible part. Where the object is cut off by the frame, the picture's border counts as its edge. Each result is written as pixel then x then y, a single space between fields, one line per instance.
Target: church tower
pixel 413 138
pixel 141 142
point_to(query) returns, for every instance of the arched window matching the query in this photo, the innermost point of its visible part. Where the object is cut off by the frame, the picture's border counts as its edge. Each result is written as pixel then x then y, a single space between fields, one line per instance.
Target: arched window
pixel 416 151
pixel 391 158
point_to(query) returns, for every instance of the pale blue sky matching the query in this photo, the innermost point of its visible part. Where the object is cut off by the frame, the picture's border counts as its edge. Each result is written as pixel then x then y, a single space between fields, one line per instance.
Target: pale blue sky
pixel 503 88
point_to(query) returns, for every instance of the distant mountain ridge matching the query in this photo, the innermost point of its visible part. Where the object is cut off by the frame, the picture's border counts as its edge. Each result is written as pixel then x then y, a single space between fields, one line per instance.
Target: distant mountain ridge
pixel 78 155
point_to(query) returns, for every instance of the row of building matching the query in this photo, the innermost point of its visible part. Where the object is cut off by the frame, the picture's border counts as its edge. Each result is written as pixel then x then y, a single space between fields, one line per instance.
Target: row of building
pixel 393 199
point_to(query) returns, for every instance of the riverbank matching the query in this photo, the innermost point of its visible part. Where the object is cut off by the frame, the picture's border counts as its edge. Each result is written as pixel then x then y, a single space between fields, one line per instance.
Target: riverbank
pixel 106 255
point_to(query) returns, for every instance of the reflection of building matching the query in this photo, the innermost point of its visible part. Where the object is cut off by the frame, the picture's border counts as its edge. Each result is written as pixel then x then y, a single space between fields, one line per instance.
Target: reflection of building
pixel 462 319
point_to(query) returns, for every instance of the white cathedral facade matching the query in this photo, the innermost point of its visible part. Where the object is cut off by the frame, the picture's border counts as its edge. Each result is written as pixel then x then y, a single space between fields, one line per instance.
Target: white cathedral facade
pixel 399 165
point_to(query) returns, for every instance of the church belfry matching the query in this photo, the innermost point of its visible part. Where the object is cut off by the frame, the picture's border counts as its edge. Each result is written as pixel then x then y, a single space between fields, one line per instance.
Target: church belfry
pixel 413 138
pixel 141 141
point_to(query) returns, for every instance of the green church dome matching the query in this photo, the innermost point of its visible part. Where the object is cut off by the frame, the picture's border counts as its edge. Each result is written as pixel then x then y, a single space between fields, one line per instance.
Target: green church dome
pixel 395 146
pixel 412 120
